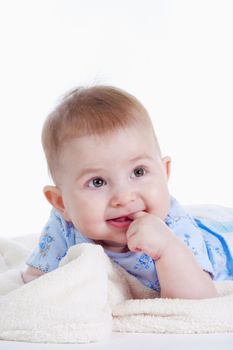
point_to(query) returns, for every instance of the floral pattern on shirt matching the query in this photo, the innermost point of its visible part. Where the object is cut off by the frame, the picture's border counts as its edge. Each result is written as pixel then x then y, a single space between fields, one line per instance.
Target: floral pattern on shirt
pixel 45 243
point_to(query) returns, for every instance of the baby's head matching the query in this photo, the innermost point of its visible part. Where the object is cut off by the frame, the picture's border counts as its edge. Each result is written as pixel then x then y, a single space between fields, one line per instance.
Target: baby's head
pixel 98 110
pixel 105 161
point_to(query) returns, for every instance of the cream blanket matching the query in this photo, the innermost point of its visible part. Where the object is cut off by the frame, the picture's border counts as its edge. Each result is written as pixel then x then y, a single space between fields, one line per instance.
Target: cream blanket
pixel 88 297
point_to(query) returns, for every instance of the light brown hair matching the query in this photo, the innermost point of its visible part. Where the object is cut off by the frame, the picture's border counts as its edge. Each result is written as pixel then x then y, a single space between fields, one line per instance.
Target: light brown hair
pixel 95 110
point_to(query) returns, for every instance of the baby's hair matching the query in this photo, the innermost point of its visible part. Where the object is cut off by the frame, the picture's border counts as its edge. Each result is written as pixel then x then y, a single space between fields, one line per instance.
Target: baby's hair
pixel 96 110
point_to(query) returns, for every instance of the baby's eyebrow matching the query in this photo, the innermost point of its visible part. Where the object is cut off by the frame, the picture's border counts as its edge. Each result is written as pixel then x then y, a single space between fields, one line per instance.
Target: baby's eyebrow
pixel 87 171
pixel 141 157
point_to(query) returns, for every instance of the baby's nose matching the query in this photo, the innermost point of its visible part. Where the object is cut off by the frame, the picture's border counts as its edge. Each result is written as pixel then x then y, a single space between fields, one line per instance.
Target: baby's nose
pixel 122 199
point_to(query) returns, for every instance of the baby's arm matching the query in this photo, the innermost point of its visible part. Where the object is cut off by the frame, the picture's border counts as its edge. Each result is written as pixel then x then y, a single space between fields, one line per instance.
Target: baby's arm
pixel 179 274
pixel 30 274
pixel 54 242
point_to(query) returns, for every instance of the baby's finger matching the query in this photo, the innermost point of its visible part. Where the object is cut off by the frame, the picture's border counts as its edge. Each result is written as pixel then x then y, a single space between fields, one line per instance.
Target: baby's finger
pixel 133 244
pixel 132 229
pixel 137 215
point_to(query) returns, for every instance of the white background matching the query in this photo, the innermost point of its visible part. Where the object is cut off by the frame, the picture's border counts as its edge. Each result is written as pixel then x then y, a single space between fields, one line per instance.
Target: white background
pixel 175 56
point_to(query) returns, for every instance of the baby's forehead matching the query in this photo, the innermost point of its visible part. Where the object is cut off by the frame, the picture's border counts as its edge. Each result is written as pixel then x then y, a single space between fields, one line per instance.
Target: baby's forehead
pixel 123 142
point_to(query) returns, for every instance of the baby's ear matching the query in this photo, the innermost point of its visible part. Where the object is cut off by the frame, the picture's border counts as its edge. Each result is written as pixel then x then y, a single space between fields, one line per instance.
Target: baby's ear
pixel 53 195
pixel 167 166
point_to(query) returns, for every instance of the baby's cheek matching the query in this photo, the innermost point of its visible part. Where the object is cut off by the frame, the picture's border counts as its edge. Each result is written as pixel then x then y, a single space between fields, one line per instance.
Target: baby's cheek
pixel 158 200
pixel 160 208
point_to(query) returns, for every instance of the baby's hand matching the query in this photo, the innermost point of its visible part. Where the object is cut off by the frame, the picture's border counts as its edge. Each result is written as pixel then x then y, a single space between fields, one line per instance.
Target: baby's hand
pixel 149 234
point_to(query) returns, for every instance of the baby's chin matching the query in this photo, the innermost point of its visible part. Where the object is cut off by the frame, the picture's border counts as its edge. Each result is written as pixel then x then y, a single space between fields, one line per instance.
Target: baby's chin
pixel 114 246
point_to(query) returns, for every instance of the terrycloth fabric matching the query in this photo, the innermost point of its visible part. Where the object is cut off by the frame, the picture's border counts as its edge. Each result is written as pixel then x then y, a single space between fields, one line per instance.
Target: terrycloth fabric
pixel 88 297
pixel 75 303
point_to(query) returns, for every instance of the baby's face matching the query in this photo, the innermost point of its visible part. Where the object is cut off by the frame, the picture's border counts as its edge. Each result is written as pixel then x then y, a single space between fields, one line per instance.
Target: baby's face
pixel 104 179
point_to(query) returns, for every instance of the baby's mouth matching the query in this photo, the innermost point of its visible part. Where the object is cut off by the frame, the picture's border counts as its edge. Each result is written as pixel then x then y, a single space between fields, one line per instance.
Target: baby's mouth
pixel 120 222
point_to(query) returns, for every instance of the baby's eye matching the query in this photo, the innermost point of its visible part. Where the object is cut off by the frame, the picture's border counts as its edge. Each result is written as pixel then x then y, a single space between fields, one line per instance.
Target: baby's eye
pixel 139 172
pixel 97 182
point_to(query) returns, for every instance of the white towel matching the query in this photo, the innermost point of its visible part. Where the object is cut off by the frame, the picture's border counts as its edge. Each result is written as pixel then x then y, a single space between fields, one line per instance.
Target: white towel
pixel 88 297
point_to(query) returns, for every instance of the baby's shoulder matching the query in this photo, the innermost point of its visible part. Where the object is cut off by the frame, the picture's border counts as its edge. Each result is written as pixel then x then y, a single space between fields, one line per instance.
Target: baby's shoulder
pixel 57 225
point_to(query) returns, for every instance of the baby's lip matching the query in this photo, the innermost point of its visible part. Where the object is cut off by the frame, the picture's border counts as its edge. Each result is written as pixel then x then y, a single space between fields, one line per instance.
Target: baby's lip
pixel 124 217
pixel 120 222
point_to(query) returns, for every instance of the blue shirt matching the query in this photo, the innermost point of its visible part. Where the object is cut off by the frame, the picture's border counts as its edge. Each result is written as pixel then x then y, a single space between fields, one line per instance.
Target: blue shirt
pixel 211 243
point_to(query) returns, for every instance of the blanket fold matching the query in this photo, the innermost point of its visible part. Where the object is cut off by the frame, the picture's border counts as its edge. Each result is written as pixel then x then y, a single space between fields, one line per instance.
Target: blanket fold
pixel 62 306
pixel 89 296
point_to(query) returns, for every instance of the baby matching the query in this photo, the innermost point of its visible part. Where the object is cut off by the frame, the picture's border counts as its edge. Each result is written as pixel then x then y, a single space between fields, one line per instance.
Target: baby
pixel 111 189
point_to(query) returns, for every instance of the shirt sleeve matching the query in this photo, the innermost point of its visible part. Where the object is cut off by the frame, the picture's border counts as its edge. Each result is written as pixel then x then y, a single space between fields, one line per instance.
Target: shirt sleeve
pixel 197 246
pixel 187 230
pixel 55 240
